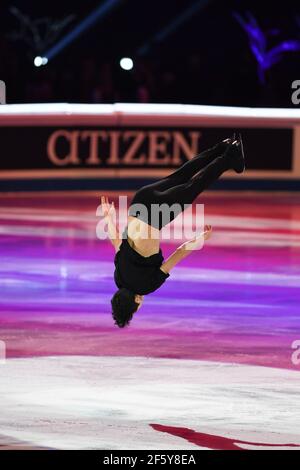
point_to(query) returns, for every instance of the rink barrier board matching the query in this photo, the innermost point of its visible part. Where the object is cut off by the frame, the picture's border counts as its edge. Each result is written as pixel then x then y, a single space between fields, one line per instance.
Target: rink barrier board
pixel 175 132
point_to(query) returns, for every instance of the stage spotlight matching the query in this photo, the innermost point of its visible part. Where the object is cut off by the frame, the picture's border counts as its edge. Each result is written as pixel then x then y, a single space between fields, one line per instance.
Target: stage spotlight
pixel 126 63
pixel 38 61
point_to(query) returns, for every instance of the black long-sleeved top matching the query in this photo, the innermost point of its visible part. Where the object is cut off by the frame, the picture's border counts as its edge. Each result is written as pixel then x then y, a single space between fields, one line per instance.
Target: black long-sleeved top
pixel 142 275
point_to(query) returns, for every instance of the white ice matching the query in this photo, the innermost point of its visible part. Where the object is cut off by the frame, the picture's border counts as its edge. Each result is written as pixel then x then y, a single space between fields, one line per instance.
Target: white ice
pixel 109 402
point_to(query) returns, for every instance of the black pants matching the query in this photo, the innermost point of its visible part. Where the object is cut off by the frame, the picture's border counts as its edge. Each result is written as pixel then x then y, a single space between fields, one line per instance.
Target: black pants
pixel 180 188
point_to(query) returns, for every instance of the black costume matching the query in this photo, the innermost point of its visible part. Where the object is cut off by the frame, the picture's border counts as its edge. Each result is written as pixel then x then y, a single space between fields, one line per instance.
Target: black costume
pixel 142 275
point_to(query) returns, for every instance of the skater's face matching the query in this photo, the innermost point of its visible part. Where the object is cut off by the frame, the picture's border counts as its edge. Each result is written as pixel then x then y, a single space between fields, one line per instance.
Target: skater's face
pixel 139 300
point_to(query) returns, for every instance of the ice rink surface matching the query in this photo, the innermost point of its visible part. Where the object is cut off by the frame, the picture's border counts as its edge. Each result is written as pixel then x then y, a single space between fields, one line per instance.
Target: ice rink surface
pixel 208 362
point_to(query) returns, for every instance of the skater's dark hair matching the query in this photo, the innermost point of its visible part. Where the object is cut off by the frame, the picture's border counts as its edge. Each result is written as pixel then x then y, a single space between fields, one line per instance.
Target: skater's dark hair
pixel 123 307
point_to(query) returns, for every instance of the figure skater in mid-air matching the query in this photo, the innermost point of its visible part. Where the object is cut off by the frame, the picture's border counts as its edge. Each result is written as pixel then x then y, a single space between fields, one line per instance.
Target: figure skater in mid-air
pixel 139 264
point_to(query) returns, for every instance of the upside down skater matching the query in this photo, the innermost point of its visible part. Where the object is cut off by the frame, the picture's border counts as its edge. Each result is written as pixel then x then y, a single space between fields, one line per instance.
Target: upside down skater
pixel 139 264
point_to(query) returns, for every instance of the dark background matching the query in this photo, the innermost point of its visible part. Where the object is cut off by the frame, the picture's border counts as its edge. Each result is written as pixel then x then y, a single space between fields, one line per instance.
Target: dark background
pixel 205 61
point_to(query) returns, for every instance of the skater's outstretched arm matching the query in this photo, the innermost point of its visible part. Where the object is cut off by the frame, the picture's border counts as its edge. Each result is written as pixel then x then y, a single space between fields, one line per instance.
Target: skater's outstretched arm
pixel 109 213
pixel 186 249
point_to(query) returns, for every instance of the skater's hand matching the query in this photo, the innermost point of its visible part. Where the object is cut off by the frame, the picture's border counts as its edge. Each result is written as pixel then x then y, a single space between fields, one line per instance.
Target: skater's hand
pixel 207 232
pixel 185 249
pixel 197 242
pixel 108 209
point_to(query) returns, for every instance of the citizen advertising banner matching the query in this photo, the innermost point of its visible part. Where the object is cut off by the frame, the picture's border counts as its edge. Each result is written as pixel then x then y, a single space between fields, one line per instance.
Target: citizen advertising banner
pixel 132 148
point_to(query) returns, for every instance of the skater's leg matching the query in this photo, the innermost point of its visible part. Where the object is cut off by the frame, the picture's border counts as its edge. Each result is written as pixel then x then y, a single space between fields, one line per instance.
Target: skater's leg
pixel 189 168
pixel 178 197
pixel 187 192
